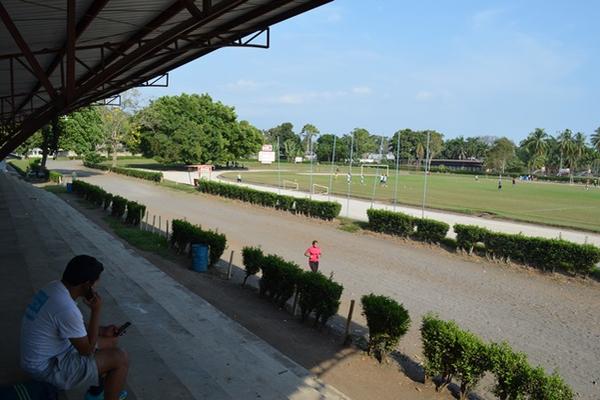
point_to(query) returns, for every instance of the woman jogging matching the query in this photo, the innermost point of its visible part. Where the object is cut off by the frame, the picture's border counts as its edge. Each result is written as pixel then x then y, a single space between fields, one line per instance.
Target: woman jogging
pixel 313 253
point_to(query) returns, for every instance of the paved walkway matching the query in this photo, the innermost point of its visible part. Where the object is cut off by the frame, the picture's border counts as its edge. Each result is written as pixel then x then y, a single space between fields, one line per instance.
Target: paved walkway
pixel 181 346
pixel 357 209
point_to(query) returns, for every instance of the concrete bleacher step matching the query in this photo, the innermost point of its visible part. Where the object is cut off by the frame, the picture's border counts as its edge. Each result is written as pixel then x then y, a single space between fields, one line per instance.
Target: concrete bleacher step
pixel 178 341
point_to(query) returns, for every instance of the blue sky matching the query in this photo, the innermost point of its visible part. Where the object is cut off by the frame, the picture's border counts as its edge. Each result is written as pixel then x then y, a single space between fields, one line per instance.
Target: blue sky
pixel 467 68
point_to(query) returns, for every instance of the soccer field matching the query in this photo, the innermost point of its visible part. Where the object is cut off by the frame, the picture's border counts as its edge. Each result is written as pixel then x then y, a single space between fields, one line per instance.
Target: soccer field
pixel 547 203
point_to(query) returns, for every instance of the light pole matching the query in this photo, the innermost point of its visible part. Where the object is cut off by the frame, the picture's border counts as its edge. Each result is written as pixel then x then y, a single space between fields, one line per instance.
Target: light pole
pixel 426 173
pixel 349 176
pixel 331 173
pixel 397 168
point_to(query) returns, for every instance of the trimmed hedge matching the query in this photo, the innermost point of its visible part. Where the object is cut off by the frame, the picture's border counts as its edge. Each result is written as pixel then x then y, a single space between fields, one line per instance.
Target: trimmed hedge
pixel 136 173
pixel 319 295
pixel 119 206
pixel 404 225
pixel 135 212
pixel 326 210
pixel 185 233
pixel 430 230
pixel 542 253
pixel 101 198
pixel 393 223
pixel 252 257
pixel 467 236
pixel 55 176
pixel 279 279
pixel 452 353
pixel 387 320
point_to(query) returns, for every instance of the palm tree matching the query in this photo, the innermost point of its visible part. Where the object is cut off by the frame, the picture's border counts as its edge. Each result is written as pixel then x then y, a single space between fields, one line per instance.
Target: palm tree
pixel 595 139
pixel 577 150
pixel 565 144
pixel 537 146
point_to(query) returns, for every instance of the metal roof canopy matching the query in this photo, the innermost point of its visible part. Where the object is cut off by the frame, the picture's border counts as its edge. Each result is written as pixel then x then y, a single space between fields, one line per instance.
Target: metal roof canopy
pixel 59 55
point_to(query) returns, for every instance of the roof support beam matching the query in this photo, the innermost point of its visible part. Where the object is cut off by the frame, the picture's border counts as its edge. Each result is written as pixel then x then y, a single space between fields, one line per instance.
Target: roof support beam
pixel 91 13
pixel 71 39
pixel 150 27
pixel 161 40
pixel 18 38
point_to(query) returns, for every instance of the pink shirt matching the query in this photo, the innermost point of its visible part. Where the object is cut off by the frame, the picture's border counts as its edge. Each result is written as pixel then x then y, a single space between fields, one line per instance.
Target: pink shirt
pixel 313 253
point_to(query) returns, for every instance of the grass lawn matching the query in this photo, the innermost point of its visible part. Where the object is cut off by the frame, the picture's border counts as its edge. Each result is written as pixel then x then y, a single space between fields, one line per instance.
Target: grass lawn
pixel 143 240
pixel 23 163
pixel 547 203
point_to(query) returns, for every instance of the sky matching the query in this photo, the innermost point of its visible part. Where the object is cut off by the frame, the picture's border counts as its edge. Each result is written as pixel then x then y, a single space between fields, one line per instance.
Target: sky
pixel 470 68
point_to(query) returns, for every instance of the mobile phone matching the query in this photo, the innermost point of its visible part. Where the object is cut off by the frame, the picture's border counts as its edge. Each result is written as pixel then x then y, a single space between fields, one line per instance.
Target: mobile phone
pixel 122 329
pixel 90 294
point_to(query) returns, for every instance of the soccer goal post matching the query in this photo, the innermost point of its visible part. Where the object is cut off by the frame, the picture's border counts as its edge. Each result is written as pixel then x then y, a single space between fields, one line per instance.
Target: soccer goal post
pixel 290 185
pixel 375 167
pixel 320 189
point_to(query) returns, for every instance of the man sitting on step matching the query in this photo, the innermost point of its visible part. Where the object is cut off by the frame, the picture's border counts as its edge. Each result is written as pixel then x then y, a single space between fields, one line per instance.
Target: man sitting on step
pixel 56 346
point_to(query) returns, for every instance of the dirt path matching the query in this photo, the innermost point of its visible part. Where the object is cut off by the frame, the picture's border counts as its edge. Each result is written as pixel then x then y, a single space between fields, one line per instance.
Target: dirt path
pixel 552 318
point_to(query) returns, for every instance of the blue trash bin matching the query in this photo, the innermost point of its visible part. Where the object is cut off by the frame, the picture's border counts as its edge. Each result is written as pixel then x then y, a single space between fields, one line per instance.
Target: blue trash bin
pixel 69 187
pixel 199 257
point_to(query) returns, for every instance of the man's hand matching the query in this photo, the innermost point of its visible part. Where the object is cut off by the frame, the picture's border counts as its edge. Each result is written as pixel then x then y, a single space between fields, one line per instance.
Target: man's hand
pixel 95 303
pixel 108 331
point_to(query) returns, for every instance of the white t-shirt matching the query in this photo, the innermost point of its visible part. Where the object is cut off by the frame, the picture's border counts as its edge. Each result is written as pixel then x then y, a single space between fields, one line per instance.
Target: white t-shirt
pixel 50 320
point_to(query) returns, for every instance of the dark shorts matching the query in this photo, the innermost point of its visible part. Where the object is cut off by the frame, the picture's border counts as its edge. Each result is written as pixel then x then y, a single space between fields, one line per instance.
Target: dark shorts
pixel 314 265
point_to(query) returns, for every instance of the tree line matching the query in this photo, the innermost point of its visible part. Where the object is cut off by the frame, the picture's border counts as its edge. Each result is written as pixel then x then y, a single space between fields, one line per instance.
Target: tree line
pixel 538 151
pixel 196 129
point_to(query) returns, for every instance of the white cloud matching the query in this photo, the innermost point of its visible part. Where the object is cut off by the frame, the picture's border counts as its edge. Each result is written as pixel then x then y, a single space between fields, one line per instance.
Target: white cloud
pixel 424 95
pixel 242 84
pixel 305 97
pixel 334 16
pixel 362 90
pixel 485 18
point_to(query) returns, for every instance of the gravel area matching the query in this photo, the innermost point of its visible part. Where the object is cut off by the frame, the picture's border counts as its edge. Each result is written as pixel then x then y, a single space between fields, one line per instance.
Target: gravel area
pixel 554 319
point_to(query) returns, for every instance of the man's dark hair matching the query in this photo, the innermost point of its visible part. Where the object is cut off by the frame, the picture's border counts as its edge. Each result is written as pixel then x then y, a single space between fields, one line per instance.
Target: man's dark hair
pixel 82 269
pixel 315 241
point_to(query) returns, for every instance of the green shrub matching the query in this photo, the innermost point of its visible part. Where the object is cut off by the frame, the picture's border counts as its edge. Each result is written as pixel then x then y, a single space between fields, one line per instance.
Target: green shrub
pixel 119 205
pixel 185 233
pixel 107 200
pixel 430 230
pixel 511 370
pixel 548 387
pixel 451 352
pixel 387 320
pixel 135 212
pixel 93 158
pixel 252 257
pixel 318 209
pixel 546 254
pixel 55 176
pixel 136 173
pixel 318 295
pixel 467 236
pixel 92 165
pixel 279 279
pixel 393 223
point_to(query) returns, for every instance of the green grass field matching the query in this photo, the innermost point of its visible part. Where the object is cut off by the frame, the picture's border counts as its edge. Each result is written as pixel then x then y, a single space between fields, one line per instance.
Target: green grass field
pixel 547 203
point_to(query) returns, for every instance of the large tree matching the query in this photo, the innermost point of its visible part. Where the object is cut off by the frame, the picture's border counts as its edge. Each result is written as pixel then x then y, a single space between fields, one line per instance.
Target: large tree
pixel 498 156
pixel 413 145
pixel 82 131
pixel 364 142
pixel 193 129
pixel 455 149
pixel 285 133
pixel 324 148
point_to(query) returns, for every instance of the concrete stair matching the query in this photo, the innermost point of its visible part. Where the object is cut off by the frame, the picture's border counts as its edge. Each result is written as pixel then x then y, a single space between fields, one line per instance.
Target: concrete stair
pixel 181 347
